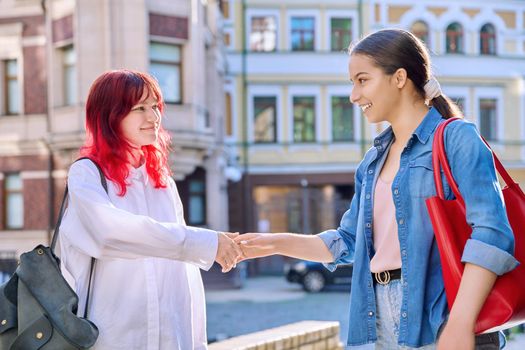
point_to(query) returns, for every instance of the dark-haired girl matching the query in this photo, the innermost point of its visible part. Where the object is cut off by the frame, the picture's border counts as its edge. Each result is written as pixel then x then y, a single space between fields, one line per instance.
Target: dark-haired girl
pixel 398 299
pixel 147 290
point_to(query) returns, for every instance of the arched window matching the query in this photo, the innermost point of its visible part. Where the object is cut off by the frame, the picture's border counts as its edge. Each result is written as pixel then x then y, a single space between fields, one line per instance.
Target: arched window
pixel 487 40
pixel 455 38
pixel 420 29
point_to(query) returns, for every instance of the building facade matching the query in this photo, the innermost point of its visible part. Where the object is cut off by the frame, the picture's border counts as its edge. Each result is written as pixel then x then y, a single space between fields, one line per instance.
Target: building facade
pixel 291 130
pixel 50 53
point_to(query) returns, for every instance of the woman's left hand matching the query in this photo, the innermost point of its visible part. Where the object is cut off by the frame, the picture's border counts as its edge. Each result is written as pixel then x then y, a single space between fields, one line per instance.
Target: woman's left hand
pixel 456 337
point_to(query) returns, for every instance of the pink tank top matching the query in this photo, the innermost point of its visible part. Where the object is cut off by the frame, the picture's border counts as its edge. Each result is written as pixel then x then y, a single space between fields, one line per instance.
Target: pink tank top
pixel 386 241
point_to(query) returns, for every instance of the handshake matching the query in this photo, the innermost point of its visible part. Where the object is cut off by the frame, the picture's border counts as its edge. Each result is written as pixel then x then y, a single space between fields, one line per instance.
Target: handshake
pixel 233 248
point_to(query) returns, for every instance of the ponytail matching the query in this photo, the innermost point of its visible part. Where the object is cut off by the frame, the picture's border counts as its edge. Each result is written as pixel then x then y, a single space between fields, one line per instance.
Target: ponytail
pixel 446 107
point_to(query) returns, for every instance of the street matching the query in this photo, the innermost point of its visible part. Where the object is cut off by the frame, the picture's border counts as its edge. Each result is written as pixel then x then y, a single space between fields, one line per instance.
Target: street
pixel 267 302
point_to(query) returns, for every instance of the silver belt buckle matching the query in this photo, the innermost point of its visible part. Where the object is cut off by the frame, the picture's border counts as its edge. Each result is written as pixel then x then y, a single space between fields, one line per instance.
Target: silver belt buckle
pixel 382 277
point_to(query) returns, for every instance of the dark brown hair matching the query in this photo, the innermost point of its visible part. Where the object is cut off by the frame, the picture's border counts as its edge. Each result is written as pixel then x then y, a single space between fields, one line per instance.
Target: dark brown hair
pixel 391 49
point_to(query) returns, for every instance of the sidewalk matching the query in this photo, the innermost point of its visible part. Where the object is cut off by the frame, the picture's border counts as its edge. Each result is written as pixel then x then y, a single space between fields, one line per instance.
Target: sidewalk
pixel 266 302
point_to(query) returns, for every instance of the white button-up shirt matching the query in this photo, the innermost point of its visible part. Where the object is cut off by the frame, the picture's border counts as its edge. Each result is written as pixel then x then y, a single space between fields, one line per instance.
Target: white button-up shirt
pixel 147 290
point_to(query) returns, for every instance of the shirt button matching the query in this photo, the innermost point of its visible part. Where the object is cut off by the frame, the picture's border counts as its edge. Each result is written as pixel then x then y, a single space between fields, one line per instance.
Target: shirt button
pixel 404 252
pixel 401 221
pixel 380 147
pixel 368 224
pixel 370 314
pixel 404 314
pixel 370 171
pixel 396 191
pixel 368 196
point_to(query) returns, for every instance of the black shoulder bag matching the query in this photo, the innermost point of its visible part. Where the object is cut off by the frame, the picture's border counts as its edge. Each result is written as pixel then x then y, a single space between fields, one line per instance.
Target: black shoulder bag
pixel 38 308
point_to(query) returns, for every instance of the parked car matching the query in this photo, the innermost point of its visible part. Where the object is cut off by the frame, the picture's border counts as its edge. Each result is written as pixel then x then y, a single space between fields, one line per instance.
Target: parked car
pixel 314 277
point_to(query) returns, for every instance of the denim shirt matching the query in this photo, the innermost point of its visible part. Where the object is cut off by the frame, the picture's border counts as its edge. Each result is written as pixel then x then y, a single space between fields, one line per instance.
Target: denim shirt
pixel 491 245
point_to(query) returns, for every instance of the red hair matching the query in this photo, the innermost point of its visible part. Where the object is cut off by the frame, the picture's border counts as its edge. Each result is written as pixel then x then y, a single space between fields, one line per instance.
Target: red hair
pixel 110 100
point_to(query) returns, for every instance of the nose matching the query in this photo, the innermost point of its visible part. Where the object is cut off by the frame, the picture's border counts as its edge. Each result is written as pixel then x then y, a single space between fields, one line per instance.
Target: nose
pixel 354 95
pixel 153 115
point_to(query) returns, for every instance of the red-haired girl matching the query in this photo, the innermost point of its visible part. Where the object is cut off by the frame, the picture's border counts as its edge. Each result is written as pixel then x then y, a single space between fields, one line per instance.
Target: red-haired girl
pixel 146 290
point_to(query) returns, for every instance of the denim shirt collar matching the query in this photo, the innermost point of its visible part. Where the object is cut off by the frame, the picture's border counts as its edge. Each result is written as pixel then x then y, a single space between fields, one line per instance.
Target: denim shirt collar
pixel 422 132
pixel 428 125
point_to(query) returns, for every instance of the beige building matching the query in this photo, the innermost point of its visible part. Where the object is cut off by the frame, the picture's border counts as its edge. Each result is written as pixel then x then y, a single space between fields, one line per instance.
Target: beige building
pixel 50 53
pixel 297 138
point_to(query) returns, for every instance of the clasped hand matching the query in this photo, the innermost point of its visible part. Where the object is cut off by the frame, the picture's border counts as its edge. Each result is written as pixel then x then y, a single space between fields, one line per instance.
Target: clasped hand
pixel 234 248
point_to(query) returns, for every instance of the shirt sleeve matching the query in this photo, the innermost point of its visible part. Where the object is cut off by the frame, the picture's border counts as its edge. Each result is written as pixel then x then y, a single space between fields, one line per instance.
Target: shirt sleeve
pixel 491 244
pixel 341 242
pixel 99 229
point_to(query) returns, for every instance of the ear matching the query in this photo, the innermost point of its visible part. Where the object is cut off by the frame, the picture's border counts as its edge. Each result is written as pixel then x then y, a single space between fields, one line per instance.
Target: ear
pixel 400 78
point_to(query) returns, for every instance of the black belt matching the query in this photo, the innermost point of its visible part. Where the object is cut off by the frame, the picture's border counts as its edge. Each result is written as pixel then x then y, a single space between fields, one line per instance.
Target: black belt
pixel 384 277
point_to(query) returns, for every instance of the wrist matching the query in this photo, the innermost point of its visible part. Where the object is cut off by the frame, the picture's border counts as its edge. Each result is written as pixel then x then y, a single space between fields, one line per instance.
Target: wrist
pixel 462 321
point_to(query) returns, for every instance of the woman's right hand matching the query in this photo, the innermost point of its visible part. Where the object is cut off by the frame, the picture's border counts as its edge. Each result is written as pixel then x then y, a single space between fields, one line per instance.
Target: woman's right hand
pixel 256 245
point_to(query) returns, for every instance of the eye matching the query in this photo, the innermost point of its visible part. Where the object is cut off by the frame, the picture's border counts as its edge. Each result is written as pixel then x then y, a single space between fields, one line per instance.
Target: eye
pixel 139 108
pixel 362 81
pixel 155 107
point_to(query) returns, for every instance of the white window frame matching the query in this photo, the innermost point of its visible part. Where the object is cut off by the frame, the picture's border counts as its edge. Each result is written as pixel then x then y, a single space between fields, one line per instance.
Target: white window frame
pixel 306 90
pixel 350 14
pixel 493 93
pixel 489 16
pixel 464 93
pixel 250 13
pixel 317 27
pixel 342 90
pixel 20 80
pixel 420 13
pixel 265 90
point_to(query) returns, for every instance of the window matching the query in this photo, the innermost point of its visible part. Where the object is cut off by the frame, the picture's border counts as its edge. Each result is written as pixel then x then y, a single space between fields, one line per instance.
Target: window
pixel 69 75
pixel 197 202
pixel 304 119
pixel 165 65
pixel 341 30
pixel 460 101
pixel 303 33
pixel 225 8
pixel 14 201
pixel 265 117
pixel 263 35
pixel 229 114
pixel 11 87
pixel 420 30
pixel 488 123
pixel 454 38
pixel 487 40
pixel 342 119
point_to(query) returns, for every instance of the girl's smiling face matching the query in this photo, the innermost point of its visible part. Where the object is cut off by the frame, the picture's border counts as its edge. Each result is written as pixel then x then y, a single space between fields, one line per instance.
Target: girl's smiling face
pixel 373 91
pixel 141 126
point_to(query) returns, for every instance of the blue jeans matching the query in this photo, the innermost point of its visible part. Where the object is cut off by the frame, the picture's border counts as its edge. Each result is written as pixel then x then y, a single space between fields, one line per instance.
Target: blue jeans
pixel 388 303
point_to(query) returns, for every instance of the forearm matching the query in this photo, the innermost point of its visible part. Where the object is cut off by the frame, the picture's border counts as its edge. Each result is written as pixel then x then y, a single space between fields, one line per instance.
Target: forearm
pixel 306 247
pixel 474 288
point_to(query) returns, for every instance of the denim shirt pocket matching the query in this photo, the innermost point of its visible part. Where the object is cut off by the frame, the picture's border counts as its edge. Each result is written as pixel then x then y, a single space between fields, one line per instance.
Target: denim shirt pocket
pixel 421 181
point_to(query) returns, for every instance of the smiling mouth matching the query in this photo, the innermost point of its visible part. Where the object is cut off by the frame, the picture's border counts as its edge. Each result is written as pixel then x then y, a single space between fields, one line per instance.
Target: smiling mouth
pixel 365 107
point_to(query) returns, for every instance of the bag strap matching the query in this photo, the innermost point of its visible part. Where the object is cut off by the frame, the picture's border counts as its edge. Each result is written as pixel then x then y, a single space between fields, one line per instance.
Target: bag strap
pixel 104 183
pixel 440 161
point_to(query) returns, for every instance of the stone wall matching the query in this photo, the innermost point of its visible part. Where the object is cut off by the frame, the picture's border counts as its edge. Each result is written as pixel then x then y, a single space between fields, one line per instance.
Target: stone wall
pixel 305 335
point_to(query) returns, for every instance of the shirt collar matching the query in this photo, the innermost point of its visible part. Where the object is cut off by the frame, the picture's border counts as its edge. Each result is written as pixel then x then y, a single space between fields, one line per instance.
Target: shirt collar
pixel 139 174
pixel 422 132
pixel 428 125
